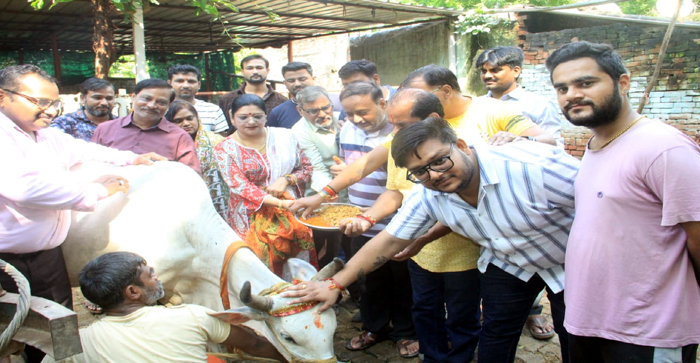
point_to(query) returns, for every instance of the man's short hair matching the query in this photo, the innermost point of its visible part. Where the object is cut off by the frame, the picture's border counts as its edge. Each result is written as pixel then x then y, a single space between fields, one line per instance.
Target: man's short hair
pixel 311 94
pixel 104 279
pixel 10 76
pixel 434 76
pixel 297 66
pixel 409 138
pixel 501 56
pixel 360 88
pixel 183 69
pixel 363 66
pixel 95 84
pixel 423 103
pixel 609 61
pixel 252 57
pixel 154 83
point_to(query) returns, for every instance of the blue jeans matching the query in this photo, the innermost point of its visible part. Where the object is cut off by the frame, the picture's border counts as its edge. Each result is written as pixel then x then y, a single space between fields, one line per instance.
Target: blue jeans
pixel 458 292
pixel 506 301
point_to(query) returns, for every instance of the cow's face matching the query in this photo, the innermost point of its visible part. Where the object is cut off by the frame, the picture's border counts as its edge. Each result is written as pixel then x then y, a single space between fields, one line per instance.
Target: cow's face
pixel 300 330
pixel 302 334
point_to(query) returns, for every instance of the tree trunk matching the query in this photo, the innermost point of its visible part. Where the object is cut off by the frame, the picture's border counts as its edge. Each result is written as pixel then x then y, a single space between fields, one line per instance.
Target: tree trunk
pixel 103 39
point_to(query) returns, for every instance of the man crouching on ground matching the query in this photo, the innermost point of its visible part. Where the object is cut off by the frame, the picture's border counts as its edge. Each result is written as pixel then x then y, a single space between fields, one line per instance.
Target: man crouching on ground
pixel 135 330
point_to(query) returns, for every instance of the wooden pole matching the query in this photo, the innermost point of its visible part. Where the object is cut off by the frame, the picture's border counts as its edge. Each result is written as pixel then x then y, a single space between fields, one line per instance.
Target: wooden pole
pixel 290 52
pixel 56 57
pixel 660 58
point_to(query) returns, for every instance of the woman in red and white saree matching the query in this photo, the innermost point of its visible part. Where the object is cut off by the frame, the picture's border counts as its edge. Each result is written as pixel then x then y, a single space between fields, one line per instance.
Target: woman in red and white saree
pixel 265 169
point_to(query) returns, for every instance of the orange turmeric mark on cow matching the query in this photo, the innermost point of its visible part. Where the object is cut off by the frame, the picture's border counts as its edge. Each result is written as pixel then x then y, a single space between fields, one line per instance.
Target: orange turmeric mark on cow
pixel 317 321
pixel 306 327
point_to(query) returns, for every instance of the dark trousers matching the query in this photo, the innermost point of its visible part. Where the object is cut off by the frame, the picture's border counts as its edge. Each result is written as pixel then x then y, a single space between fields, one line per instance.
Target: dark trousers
pixel 331 240
pixel 589 349
pixel 385 302
pixel 506 301
pixel 456 292
pixel 48 278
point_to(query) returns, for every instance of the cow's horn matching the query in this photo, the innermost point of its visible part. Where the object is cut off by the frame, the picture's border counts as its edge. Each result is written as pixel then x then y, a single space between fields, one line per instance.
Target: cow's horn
pixel 261 303
pixel 329 270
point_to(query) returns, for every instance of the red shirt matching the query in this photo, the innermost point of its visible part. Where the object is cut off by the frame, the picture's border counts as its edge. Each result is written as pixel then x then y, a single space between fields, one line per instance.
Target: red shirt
pixel 164 138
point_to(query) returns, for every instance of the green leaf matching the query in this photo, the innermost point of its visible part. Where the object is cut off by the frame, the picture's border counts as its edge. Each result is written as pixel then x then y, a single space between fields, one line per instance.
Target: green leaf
pixel 37 4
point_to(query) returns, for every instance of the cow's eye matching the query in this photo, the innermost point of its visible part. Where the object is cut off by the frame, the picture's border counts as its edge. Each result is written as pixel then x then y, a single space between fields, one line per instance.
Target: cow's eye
pixel 288 338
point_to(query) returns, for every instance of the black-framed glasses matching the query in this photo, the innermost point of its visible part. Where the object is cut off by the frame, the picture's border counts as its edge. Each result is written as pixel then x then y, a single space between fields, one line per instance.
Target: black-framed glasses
pixel 315 111
pixel 440 165
pixel 43 103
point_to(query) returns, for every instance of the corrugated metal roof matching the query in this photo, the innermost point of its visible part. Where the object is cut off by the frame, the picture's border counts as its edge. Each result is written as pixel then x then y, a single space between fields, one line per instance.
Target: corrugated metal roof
pixel 172 26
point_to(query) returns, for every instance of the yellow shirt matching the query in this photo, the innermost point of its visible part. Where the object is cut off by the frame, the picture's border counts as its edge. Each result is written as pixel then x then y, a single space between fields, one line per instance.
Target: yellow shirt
pixel 487 116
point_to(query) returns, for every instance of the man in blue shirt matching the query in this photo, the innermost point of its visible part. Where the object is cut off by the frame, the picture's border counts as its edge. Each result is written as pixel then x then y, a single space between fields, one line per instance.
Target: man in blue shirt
pixel 297 76
pixel 97 101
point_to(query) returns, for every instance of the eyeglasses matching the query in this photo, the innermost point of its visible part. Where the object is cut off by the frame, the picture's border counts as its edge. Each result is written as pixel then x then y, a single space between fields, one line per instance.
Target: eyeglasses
pixel 244 117
pixel 436 89
pixel 43 103
pixel 440 165
pixel 315 111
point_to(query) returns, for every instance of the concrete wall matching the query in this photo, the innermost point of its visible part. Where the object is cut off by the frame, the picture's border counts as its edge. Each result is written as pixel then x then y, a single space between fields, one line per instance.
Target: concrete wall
pixel 325 54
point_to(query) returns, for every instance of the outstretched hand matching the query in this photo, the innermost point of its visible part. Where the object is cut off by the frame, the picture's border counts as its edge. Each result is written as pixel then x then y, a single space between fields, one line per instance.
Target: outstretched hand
pixel 322 291
pixel 308 204
pixel 113 183
pixel 148 159
pixel 502 138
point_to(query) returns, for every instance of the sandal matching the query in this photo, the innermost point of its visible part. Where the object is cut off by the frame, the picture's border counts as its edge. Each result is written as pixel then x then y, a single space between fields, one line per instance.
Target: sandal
pixel 365 340
pixel 92 307
pixel 403 344
pixel 538 326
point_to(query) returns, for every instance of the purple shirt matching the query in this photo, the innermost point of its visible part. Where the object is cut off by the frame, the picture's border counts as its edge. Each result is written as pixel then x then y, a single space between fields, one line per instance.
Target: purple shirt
pixel 165 139
pixel 36 190
pixel 628 273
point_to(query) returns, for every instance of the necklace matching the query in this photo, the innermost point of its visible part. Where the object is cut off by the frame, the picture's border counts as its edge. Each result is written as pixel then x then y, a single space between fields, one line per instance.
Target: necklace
pixel 260 149
pixel 616 136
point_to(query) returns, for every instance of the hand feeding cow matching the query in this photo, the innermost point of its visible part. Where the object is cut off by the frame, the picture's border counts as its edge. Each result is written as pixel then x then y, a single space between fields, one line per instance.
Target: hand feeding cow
pixel 168 218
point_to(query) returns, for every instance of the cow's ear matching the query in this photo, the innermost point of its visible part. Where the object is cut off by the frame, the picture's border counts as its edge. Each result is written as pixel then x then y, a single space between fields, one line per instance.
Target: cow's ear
pixel 298 269
pixel 240 315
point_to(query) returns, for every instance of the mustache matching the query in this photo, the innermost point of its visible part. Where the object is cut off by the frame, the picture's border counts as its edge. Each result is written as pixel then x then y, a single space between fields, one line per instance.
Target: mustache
pixel 580 103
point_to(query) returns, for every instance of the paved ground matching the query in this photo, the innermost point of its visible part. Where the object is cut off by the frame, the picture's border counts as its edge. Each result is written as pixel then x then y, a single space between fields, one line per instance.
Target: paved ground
pixel 530 350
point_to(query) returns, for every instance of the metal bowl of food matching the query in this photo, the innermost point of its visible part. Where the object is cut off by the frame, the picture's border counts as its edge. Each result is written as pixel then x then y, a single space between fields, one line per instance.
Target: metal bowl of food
pixel 327 217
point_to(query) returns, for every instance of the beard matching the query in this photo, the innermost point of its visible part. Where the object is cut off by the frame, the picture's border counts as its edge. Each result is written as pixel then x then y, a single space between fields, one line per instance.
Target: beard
pixel 603 114
pixel 96 111
pixel 155 294
pixel 257 79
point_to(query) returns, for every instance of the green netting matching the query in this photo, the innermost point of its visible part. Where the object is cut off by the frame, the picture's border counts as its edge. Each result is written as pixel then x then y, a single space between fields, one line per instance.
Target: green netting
pixel 75 66
pixel 78 66
pixel 158 64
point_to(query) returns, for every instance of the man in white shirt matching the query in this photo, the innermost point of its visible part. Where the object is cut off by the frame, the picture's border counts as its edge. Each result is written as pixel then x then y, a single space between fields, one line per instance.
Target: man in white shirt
pixel 185 82
pixel 36 192
pixel 500 68
pixel 135 330
pixel 516 201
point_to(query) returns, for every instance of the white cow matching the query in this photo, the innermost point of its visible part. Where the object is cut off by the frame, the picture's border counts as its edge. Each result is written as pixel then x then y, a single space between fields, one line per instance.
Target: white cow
pixel 168 218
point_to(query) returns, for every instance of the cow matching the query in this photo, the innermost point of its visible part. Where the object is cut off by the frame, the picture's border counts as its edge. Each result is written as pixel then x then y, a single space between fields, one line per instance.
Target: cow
pixel 168 218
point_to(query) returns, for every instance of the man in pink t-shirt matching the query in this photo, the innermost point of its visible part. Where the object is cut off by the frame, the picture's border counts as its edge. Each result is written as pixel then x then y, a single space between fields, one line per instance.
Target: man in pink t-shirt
pixel 633 258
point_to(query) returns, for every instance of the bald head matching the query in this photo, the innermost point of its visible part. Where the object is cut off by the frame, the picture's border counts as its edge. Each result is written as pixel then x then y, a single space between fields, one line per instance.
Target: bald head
pixel 409 105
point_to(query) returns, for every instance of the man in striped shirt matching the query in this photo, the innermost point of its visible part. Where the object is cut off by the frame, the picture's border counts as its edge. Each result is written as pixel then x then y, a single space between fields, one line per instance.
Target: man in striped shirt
pixel 385 304
pixel 516 201
pixel 185 82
